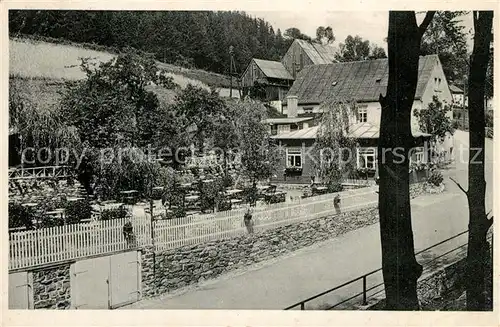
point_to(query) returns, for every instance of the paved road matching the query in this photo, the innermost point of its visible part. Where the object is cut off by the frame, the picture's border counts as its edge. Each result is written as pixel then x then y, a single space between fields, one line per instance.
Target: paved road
pixel 313 270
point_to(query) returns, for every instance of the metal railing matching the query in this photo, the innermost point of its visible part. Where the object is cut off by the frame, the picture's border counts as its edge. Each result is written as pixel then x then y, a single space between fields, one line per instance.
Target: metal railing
pixel 364 292
pixel 39 172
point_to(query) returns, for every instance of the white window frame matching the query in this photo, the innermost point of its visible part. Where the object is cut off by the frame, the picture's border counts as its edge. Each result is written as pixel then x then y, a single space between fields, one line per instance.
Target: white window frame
pixel 364 153
pixel 293 153
pixel 419 155
pixel 362 113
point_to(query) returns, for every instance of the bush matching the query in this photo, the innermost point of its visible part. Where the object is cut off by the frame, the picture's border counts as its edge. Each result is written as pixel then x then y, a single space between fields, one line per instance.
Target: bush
pixel 20 216
pixel 118 213
pixel 275 198
pixel 334 187
pixel 436 178
pixel 78 211
pixel 211 194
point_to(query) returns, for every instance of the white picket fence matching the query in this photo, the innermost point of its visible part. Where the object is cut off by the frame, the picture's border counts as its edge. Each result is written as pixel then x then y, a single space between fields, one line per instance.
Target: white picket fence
pixel 50 245
pixel 171 234
pixel 55 244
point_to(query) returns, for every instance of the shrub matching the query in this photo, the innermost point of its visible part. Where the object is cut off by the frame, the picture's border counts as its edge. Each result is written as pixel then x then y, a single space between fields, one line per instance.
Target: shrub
pixel 20 216
pixel 275 198
pixel 78 211
pixel 211 194
pixel 436 178
pixel 334 187
pixel 117 213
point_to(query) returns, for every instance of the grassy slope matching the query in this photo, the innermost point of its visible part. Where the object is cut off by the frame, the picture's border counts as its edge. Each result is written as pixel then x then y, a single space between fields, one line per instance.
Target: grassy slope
pixel 38 59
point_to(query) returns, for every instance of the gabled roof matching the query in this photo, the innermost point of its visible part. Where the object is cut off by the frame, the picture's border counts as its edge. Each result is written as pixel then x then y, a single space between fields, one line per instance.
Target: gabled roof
pixel 455 89
pixel 273 69
pixel 362 81
pixel 356 131
pixel 318 53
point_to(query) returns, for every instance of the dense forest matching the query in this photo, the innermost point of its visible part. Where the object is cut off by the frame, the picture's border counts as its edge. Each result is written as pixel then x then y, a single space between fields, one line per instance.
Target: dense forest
pixel 192 39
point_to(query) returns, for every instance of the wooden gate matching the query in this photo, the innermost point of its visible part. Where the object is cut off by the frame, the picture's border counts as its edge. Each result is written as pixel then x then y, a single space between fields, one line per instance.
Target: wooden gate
pixel 90 284
pixel 21 290
pixel 125 279
pixel 106 282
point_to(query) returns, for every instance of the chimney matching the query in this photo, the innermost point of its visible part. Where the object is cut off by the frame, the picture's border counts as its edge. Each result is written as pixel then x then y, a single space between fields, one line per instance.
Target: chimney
pixel 291 105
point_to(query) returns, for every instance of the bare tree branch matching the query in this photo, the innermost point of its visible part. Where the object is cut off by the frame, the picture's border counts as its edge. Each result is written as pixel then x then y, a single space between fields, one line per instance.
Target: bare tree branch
pixel 425 23
pixel 460 186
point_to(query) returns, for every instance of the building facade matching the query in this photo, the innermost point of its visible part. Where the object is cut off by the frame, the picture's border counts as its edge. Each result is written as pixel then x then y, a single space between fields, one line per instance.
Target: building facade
pixel 317 86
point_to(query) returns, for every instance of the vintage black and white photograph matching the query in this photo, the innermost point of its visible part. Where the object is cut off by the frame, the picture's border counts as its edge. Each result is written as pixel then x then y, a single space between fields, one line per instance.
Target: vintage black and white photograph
pixel 250 160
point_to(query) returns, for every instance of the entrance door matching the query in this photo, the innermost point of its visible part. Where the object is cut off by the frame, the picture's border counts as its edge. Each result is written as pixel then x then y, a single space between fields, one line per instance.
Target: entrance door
pixel 90 284
pixel 21 291
pixel 125 279
pixel 106 282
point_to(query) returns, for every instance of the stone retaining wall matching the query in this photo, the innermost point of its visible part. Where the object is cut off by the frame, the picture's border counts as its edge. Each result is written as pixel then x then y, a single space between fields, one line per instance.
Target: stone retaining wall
pixel 51 288
pixel 166 271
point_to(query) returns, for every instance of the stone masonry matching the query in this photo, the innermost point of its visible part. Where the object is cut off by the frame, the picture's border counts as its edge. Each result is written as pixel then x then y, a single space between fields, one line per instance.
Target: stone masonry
pixel 51 288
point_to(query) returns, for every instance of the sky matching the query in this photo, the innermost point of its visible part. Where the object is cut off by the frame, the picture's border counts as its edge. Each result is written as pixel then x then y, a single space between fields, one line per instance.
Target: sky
pixel 370 25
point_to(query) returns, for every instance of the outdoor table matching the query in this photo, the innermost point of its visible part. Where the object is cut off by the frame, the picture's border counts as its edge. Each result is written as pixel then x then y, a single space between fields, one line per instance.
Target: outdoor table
pixel 111 206
pixel 263 187
pixel 74 199
pixel 30 205
pixel 233 191
pixel 192 197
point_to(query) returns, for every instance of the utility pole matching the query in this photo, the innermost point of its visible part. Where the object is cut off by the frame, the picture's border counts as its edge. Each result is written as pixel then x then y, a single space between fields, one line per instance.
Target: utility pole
pixel 463 103
pixel 231 51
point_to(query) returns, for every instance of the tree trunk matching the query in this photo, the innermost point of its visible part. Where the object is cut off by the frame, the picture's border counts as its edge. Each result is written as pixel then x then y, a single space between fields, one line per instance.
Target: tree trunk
pixel 478 248
pixel 399 266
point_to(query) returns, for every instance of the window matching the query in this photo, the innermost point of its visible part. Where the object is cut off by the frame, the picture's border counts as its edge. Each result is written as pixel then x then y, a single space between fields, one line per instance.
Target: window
pixel 362 115
pixel 308 110
pixel 293 158
pixel 274 129
pixel 417 155
pixel 366 158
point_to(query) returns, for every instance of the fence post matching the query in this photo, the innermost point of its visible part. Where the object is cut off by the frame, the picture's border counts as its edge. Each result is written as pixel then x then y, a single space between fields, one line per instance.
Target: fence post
pixel 364 290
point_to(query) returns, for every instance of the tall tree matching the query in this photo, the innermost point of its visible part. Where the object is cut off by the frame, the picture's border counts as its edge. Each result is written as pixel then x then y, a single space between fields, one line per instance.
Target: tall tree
pixel 259 155
pixel 294 33
pixel 324 35
pixel 332 135
pixel 353 49
pixel 479 224
pixel 399 266
pixel 446 36
pixel 377 52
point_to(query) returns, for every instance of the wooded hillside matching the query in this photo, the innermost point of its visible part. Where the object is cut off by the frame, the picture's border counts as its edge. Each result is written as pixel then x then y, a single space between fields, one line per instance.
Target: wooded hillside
pixel 191 39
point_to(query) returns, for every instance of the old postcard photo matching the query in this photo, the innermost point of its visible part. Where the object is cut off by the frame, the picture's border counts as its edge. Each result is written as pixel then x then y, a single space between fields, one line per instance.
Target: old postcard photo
pixel 250 160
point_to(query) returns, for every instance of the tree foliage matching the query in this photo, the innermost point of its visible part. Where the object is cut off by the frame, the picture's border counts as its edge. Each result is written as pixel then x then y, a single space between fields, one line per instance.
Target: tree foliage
pixel 334 148
pixel 116 116
pixel 324 35
pixel 434 120
pixel 259 155
pixel 199 39
pixel 446 36
pixel 357 49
